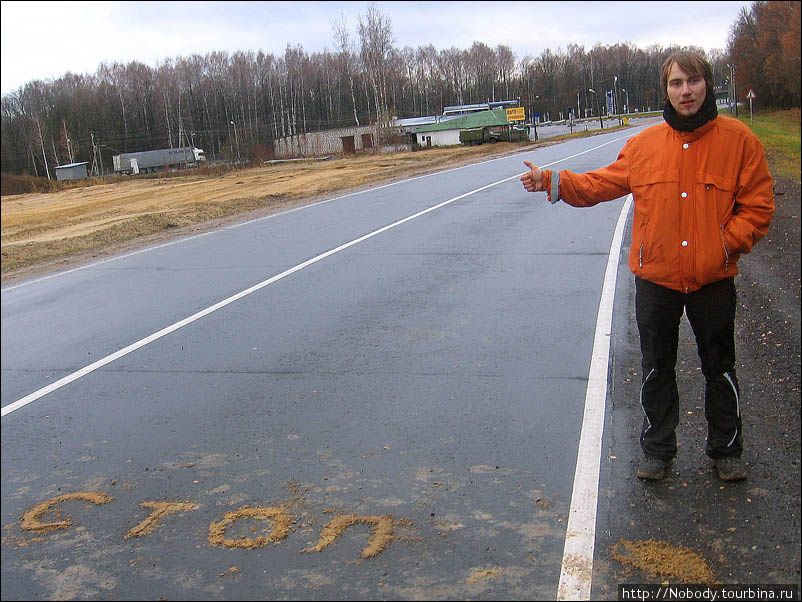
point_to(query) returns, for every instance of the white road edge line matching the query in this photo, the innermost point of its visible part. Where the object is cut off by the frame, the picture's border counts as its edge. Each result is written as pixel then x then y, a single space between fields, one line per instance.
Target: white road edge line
pixel 576 573
pixel 205 312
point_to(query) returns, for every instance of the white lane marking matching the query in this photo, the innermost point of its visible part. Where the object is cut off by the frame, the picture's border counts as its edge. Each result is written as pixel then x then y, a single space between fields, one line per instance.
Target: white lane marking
pixel 271 216
pixel 240 224
pixel 576 572
pixel 205 312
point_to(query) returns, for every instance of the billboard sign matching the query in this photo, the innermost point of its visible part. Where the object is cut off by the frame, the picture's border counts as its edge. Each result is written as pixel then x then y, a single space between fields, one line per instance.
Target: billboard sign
pixel 516 114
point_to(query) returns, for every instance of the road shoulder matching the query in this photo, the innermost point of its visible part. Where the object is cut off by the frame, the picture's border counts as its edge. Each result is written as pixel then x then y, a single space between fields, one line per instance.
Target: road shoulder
pixel 744 532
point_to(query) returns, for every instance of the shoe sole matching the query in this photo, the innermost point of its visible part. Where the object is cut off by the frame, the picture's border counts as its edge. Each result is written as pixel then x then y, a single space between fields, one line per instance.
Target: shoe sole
pixel 654 476
pixel 730 476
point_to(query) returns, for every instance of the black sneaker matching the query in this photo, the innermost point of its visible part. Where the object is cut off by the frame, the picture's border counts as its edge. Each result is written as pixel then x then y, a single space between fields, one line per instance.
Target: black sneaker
pixel 652 469
pixel 731 469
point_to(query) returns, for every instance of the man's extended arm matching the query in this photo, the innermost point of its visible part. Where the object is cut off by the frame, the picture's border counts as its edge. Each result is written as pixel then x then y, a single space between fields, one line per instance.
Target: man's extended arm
pixel 581 190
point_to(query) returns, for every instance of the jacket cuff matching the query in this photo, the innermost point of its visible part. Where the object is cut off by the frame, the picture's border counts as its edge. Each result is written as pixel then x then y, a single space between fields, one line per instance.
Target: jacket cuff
pixel 551 184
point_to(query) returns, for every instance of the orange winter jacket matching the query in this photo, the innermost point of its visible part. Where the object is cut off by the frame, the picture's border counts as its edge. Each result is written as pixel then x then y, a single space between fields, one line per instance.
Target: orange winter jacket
pixel 701 199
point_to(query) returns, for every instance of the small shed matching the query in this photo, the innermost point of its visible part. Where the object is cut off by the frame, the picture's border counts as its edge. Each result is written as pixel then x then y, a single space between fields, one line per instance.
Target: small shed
pixel 71 171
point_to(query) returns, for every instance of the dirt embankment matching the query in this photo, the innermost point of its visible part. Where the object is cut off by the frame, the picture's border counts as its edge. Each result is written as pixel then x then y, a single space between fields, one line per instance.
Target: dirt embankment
pixel 47 231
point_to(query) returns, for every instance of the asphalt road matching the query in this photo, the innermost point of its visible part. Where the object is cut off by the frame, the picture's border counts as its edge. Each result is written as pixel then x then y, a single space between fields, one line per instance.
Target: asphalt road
pixel 411 361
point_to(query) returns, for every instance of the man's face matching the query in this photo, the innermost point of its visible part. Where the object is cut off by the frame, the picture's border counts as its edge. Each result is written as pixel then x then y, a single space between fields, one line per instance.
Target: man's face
pixel 686 93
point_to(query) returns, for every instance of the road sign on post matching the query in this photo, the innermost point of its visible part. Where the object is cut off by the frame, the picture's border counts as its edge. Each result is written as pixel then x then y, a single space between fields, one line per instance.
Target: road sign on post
pixel 750 95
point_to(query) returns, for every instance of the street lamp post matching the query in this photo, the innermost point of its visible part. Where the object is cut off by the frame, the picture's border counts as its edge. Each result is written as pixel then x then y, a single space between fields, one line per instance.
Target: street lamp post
pixel 615 94
pixel 734 100
pixel 617 105
pixel 534 119
pixel 626 106
pixel 596 98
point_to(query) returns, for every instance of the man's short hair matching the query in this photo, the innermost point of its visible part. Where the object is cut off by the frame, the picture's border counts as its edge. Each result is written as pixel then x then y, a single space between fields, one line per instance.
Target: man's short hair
pixel 691 63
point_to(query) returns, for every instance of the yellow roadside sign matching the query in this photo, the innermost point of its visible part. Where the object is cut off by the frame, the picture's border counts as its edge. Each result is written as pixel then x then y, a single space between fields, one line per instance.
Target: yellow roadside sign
pixel 516 114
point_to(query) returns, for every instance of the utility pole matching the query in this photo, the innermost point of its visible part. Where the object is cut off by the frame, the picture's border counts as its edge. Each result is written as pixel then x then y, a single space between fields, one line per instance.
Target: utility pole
pixel 94 169
pixel 578 111
pixel 67 140
pixel 181 130
pixel 97 157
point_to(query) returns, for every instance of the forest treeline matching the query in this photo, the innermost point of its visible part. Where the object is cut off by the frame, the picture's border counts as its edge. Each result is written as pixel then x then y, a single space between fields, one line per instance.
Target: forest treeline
pixel 235 104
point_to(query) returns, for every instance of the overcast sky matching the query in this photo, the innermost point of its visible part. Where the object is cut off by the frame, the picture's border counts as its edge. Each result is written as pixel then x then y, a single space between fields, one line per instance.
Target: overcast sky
pixel 45 40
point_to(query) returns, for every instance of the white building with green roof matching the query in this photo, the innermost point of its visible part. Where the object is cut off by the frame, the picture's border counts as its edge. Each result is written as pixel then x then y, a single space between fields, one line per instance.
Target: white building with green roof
pixel 446 133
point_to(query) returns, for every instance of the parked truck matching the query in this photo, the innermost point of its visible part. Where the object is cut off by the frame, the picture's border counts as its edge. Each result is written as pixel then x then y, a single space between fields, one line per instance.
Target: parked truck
pixel 495 133
pixel 157 160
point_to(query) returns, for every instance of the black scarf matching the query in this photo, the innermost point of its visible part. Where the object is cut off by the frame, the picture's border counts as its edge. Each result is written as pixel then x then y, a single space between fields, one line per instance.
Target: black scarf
pixel 707 112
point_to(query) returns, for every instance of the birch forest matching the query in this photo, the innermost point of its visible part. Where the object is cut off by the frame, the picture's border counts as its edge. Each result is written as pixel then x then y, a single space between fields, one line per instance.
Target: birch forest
pixel 238 104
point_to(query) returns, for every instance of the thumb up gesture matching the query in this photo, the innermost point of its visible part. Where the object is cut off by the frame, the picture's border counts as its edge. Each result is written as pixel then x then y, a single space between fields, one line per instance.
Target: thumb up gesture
pixel 533 179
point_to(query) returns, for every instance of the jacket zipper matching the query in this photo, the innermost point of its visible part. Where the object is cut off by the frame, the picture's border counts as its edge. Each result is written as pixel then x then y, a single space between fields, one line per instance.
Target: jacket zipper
pixel 643 242
pixel 724 244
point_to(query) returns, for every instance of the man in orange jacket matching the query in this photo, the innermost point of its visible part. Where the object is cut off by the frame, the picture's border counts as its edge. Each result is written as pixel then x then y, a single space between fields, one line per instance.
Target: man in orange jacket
pixel 703 196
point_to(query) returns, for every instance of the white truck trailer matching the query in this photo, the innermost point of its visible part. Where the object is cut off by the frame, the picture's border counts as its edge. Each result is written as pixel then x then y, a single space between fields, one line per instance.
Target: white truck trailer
pixel 157 160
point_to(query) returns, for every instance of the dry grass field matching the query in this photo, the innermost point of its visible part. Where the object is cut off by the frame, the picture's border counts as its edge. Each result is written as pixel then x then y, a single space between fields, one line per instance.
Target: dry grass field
pixel 46 231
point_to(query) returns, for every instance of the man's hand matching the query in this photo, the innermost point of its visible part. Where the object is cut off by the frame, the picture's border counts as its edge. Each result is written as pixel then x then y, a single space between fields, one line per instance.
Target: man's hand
pixel 533 179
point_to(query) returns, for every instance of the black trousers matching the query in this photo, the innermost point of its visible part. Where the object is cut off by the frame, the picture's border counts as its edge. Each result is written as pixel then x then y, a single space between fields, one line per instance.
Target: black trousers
pixel 711 313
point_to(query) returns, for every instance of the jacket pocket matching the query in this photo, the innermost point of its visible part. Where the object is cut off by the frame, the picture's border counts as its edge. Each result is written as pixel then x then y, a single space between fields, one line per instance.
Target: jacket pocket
pixel 720 191
pixel 647 178
pixel 653 190
pixel 719 195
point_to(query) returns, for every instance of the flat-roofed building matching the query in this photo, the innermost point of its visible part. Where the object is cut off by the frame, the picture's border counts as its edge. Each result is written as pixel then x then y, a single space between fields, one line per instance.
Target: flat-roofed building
pixel 71 171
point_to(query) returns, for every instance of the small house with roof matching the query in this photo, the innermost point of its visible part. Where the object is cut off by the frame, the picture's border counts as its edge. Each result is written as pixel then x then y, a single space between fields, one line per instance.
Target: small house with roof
pixel 71 171
pixel 446 133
